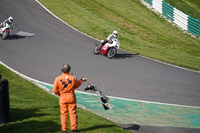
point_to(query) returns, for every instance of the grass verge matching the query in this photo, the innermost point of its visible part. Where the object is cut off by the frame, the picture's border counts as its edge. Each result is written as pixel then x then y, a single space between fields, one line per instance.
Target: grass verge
pixel 32 110
pixel 140 30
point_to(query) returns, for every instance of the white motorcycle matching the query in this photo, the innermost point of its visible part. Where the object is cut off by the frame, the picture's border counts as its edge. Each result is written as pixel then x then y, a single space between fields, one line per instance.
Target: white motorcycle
pixel 5 31
pixel 109 49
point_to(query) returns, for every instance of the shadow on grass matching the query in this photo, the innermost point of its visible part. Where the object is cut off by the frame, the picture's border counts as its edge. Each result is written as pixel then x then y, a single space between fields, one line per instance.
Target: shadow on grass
pixel 30 127
pixel 17 114
pixel 27 121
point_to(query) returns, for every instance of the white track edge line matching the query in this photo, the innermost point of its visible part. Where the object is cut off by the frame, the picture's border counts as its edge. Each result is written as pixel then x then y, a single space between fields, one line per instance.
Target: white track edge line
pixel 127 99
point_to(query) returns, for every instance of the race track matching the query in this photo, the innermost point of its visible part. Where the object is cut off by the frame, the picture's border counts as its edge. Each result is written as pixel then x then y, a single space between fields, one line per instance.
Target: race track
pixel 40 44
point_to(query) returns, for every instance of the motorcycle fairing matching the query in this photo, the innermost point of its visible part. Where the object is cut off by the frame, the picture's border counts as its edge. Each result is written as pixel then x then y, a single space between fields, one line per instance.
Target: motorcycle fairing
pixel 1 31
pixel 104 49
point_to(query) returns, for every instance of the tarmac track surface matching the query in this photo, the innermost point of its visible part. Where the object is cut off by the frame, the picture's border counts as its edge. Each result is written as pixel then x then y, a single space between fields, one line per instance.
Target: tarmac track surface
pixel 40 44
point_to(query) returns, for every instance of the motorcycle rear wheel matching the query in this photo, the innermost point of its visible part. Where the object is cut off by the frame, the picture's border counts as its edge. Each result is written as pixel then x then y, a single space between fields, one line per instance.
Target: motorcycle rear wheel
pixel 96 50
pixel 5 35
pixel 111 53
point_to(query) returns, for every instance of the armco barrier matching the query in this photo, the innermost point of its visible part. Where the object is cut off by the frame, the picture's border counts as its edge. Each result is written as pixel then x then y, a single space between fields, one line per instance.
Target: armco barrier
pixel 149 2
pixel 168 11
pixel 194 26
pixel 4 101
pixel 157 4
pixel 181 19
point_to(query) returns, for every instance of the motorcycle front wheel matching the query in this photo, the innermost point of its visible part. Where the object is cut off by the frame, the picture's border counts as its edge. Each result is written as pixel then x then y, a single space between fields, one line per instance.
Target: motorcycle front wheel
pixel 5 35
pixel 112 52
pixel 96 50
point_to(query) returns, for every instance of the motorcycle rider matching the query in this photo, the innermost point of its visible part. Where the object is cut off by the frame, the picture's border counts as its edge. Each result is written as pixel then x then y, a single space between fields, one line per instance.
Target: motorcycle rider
pixel 109 39
pixel 8 21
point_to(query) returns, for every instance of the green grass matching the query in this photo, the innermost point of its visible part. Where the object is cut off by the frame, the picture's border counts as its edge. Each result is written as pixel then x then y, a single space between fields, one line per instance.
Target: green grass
pixel 140 30
pixel 32 110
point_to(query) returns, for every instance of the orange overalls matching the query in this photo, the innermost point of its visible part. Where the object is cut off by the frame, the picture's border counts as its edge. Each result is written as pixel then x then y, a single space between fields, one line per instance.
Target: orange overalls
pixel 64 86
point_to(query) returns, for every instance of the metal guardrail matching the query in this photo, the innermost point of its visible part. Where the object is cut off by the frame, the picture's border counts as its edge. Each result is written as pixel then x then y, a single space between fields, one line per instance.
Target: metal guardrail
pixel 181 19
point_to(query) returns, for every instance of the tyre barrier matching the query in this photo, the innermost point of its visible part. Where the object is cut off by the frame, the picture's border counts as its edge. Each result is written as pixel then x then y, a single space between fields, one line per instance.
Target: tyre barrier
pixel 4 101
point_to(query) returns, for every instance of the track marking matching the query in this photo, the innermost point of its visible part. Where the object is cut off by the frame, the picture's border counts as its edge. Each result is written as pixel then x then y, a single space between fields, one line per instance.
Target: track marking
pixel 40 82
pixel 26 34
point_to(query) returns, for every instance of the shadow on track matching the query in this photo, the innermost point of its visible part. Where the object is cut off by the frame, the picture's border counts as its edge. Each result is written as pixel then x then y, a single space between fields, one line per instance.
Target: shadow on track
pixel 124 55
pixel 157 129
pixel 15 37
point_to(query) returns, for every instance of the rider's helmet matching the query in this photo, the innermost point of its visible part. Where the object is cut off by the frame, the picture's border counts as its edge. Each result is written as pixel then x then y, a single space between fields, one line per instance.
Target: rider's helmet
pixel 115 33
pixel 10 19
